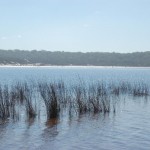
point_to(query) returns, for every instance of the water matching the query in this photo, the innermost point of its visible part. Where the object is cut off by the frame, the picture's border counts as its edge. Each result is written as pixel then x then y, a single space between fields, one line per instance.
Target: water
pixel 127 129
pixel 71 74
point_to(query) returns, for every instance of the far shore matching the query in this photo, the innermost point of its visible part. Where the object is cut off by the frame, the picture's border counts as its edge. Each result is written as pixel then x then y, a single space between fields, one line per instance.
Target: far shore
pixel 68 66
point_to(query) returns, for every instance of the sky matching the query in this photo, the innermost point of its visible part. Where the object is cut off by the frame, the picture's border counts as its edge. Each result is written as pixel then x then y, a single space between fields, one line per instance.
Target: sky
pixel 75 25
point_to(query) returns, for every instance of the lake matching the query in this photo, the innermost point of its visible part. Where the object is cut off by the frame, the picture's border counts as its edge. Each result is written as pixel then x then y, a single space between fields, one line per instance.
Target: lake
pixel 126 129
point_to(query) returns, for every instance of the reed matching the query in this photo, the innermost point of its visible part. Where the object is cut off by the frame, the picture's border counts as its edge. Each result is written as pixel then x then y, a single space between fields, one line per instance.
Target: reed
pixel 18 92
pixel 4 103
pixel 140 89
pixel 30 110
pixel 80 99
pixel 49 93
pixel 13 105
pixel 98 98
pixel 76 99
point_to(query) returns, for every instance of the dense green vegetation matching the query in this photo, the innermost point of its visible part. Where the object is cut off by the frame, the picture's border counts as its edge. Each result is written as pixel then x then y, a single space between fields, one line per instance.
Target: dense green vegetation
pixel 24 57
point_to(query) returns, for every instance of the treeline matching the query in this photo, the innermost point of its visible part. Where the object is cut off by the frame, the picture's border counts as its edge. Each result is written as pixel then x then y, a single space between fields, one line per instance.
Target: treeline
pixel 34 57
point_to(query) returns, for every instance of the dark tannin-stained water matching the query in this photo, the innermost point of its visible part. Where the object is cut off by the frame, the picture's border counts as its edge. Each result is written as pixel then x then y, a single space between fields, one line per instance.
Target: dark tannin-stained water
pixel 126 129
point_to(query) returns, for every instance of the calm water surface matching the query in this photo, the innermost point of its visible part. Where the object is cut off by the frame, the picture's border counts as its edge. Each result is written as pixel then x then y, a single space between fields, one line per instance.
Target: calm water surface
pixel 71 74
pixel 127 129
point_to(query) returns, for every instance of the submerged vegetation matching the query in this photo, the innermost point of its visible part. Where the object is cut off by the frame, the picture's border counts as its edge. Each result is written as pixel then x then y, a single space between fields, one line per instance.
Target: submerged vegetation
pixel 57 97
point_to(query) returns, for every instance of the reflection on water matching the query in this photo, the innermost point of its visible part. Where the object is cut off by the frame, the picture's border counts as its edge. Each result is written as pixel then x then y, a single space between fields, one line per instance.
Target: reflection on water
pixel 49 133
pixel 52 122
pixel 3 129
pixel 30 122
pixel 127 129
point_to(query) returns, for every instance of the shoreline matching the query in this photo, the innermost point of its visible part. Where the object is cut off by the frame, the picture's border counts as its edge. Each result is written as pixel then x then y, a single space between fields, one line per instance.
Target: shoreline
pixel 67 66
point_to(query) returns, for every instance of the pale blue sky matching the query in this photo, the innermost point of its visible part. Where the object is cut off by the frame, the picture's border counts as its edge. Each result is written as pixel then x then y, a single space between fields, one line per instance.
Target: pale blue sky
pixel 75 25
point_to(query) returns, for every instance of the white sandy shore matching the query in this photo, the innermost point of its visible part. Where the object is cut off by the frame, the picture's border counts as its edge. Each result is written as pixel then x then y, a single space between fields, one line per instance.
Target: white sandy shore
pixel 33 66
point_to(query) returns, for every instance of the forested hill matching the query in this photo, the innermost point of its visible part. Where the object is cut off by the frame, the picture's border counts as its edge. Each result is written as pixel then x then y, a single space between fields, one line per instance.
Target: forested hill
pixel 22 57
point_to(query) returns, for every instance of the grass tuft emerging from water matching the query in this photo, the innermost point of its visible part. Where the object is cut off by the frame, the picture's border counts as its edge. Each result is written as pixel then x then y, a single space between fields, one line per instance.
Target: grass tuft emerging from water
pixel 58 97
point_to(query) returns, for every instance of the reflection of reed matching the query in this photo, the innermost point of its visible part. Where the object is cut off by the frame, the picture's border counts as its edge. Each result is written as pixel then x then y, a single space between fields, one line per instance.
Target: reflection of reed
pixel 30 122
pixel 52 122
pixel 3 129
pixel 50 132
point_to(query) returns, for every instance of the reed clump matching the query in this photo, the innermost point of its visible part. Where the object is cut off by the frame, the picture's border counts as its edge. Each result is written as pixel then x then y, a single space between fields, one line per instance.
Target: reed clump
pixel 4 103
pixel 49 93
pixel 140 89
pixel 30 110
pixel 80 99
pixel 56 96
pixel 92 99
pixel 98 98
